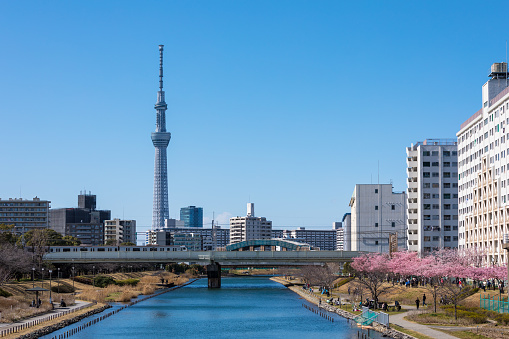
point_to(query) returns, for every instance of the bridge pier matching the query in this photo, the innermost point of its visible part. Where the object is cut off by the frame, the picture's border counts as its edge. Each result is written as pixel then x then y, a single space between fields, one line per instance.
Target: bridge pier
pixel 214 275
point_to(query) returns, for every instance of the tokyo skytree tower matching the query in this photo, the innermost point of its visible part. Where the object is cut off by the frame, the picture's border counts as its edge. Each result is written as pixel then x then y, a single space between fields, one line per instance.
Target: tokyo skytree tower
pixel 160 139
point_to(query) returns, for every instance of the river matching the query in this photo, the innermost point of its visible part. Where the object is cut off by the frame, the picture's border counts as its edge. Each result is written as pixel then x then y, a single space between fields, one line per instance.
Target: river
pixel 244 307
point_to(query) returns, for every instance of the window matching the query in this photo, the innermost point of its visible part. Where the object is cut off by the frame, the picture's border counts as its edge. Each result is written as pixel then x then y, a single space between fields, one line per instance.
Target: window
pixel 393 207
pixel 435 175
pixel 425 174
pixel 435 238
pixel 427 206
pixel 447 196
pixel 447 238
pixel 447 207
pixel 376 208
pixel 393 224
pixel 435 185
pixel 447 228
pixel 426 196
pixel 434 153
pixel 447 153
pixel 425 164
pixel 426 185
pixel 447 174
pixel 376 242
pixel 436 206
pixel 447 185
pixel 447 164
pixel 447 217
pixel 436 196
pixel 376 190
pixel 426 238
pixel 376 224
pixel 427 217
pixel 434 164
pixel 425 153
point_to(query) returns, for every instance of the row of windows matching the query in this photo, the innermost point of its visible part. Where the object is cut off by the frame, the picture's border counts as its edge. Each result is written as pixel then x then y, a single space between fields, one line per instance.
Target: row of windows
pixel 437 217
pixel 436 164
pixel 437 185
pixel 436 174
pixel 437 206
pixel 436 238
pixel 435 153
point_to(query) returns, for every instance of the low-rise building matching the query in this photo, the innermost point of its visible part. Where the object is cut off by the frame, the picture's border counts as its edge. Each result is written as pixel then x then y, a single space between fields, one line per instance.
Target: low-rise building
pixel 120 231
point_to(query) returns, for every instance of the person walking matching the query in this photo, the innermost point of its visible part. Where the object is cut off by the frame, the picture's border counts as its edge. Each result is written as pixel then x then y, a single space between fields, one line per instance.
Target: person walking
pixel 424 299
pixel 417 303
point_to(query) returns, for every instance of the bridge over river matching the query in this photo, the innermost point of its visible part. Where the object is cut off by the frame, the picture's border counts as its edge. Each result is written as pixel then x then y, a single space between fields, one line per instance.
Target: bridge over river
pixel 213 259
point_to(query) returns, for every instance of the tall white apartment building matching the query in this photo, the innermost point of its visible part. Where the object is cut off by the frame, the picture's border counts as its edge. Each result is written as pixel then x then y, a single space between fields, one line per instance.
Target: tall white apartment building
pixel 432 168
pixel 249 227
pixel 482 165
pixel 376 214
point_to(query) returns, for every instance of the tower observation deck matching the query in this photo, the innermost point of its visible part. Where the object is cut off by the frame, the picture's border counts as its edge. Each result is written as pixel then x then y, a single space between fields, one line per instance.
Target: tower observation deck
pixel 160 139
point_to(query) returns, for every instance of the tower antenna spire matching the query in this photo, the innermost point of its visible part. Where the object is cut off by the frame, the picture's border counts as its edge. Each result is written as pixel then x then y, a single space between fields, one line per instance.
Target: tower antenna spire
pixel 161 48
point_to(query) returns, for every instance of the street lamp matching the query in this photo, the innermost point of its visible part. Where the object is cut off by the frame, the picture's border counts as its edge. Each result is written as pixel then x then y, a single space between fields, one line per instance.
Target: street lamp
pixel 73 280
pixel 93 274
pixel 42 277
pixel 58 277
pixel 50 300
pixel 33 273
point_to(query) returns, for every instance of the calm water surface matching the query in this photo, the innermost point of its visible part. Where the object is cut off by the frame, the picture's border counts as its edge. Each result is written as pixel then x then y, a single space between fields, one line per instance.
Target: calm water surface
pixel 250 307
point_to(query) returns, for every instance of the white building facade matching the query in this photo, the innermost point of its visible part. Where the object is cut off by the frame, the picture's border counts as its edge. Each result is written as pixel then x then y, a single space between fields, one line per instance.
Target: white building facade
pixel 432 170
pixel 483 179
pixel 249 227
pixel 325 240
pixel 377 213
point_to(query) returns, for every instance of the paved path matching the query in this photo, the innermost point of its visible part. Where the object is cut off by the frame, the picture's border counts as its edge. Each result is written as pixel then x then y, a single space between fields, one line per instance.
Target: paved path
pixel 46 316
pixel 423 329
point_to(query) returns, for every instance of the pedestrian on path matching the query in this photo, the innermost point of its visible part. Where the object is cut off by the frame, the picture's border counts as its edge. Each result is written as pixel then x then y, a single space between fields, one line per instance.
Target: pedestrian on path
pixel 417 303
pixel 424 299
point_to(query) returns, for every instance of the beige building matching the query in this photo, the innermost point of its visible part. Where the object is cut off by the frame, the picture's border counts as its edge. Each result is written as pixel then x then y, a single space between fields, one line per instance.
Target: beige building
pixel 249 227
pixel 120 231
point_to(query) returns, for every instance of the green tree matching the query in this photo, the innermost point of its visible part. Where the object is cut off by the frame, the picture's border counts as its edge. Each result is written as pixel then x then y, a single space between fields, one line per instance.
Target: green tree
pixel 7 234
pixel 128 244
pixel 110 242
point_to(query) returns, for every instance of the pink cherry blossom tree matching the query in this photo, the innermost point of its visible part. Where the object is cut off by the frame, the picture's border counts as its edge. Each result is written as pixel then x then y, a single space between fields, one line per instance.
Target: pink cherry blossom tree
pixel 371 271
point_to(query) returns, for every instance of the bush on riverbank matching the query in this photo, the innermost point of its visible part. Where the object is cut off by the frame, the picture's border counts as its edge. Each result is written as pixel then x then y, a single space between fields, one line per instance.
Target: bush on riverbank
pixel 4 294
pixel 127 282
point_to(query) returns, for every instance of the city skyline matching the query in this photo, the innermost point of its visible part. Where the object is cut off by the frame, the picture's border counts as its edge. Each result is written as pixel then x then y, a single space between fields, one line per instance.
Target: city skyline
pixel 286 104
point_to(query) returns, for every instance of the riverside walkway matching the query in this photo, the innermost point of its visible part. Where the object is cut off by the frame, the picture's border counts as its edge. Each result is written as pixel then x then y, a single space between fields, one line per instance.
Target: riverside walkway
pixel 398 319
pixel 8 328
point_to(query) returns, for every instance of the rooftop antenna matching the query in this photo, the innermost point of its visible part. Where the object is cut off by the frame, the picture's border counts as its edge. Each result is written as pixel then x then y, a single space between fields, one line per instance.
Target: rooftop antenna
pixel 161 47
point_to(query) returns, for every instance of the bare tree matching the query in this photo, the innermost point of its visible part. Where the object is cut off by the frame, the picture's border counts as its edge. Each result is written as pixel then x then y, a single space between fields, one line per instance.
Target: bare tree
pixel 323 275
pixel 13 260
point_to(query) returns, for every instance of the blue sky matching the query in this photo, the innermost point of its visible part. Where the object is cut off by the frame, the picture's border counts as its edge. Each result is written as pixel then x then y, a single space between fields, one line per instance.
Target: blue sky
pixel 287 104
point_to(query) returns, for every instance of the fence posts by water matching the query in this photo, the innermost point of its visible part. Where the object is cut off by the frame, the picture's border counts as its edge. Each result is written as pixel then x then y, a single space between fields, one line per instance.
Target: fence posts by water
pixel 319 312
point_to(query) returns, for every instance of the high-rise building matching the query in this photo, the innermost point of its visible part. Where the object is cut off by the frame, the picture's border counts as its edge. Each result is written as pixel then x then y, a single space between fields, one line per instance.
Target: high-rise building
pixel 340 235
pixel 432 214
pixel 85 222
pixel 160 139
pixel 120 231
pixel 377 213
pixel 249 227
pixel 192 216
pixel 25 215
pixel 483 176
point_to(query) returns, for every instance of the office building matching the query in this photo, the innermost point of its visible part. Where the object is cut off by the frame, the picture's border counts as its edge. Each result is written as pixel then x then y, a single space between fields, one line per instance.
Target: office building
pixel 483 180
pixel 324 240
pixel 249 227
pixel 377 213
pixel 432 212
pixel 119 231
pixel 192 216
pixel 192 241
pixel 85 222
pixel 211 238
pixel 25 215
